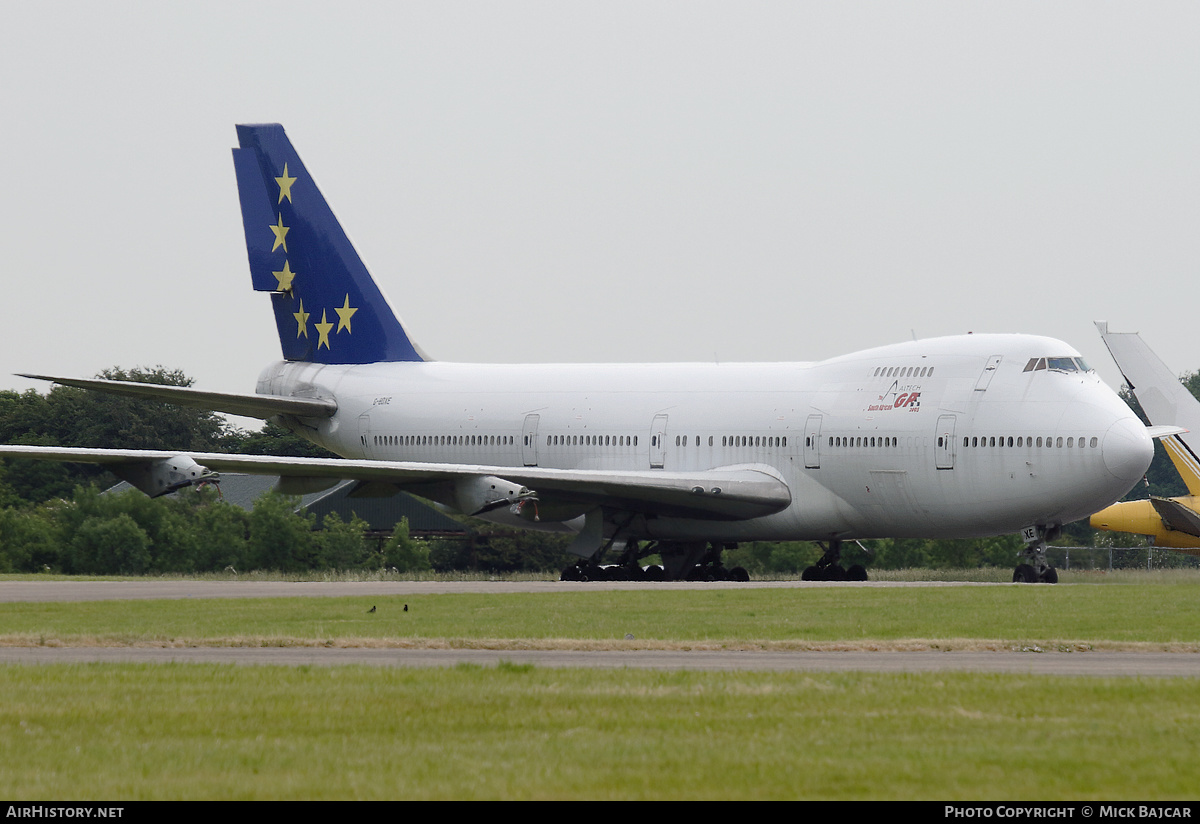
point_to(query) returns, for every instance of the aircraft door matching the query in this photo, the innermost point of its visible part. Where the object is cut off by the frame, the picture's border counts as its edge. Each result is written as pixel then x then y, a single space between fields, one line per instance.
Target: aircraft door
pixel 364 434
pixel 812 442
pixel 529 440
pixel 989 369
pixel 658 442
pixel 944 442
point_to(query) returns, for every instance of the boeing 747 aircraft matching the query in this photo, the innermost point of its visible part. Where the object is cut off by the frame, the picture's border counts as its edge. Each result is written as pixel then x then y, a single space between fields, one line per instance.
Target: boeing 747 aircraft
pixel 951 437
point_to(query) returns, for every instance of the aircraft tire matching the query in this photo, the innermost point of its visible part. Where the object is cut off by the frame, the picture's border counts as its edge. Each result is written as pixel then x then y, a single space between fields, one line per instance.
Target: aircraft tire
pixel 654 572
pixel 1025 574
pixel 1050 576
pixel 856 573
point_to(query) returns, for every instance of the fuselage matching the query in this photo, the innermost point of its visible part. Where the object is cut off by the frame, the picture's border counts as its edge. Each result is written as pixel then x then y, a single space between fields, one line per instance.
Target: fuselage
pixel 947 437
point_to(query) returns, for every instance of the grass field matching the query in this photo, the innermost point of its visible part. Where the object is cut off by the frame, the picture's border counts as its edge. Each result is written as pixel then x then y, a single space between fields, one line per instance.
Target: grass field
pixel 127 732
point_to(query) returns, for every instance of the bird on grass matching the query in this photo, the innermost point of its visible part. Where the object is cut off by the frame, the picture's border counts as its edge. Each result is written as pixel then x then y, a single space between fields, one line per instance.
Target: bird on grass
pixel 372 609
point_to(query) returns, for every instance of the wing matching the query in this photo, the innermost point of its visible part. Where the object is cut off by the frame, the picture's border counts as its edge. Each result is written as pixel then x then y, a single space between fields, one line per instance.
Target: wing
pixel 727 493
pixel 1176 515
pixel 249 406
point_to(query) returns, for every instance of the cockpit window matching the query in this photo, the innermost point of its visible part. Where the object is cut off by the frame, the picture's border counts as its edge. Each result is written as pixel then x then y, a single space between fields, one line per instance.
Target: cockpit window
pixel 1060 364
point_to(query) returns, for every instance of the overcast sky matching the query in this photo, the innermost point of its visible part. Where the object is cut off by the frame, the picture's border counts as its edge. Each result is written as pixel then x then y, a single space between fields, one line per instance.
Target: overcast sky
pixel 610 181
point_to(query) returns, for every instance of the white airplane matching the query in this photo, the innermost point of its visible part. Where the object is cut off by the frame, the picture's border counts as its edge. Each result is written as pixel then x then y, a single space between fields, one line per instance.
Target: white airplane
pixel 952 437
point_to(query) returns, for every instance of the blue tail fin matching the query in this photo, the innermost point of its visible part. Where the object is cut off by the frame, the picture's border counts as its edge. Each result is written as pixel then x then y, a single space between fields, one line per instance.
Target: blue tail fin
pixel 327 307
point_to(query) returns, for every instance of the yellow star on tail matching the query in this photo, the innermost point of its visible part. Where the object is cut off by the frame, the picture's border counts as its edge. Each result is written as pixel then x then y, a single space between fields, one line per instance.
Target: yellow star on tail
pixel 323 331
pixel 285 185
pixel 280 233
pixel 301 321
pixel 285 277
pixel 344 315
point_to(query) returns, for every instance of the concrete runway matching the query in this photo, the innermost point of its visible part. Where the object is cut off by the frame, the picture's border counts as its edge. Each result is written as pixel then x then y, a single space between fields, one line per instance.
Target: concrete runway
pixel 1107 664
pixel 14 591
pixel 1089 663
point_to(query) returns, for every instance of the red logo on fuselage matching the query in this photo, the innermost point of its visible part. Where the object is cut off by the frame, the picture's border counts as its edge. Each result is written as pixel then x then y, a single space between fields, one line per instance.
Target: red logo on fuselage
pixel 894 398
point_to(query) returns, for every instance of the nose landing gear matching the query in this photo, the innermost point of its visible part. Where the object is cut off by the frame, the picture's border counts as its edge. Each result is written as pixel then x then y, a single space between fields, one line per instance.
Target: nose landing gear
pixel 1035 569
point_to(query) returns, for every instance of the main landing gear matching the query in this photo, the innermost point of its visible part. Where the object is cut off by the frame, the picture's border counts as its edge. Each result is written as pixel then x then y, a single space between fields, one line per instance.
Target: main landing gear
pixel 1035 569
pixel 829 567
pixel 682 561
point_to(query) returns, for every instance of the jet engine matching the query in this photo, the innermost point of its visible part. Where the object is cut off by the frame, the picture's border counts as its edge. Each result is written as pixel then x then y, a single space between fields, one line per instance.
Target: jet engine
pixel 163 475
pixel 483 493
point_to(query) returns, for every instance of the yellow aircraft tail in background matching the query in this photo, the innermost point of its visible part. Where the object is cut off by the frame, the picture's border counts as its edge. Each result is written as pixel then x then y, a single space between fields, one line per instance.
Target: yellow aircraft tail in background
pixel 1173 523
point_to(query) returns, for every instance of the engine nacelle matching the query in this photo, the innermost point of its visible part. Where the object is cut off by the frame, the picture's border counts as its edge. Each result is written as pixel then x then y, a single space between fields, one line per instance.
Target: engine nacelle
pixel 483 493
pixel 158 477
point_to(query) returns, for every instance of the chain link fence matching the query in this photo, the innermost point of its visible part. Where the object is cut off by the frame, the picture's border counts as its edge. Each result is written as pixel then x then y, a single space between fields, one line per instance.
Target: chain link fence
pixel 1119 557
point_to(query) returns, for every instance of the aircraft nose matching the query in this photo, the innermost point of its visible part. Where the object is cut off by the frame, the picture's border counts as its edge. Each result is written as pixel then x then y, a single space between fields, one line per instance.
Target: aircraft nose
pixel 1127 450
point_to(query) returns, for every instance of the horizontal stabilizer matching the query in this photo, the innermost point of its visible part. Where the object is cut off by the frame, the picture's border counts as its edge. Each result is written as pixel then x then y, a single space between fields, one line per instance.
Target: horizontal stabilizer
pixel 1165 431
pixel 1177 516
pixel 249 406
